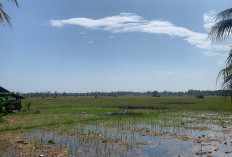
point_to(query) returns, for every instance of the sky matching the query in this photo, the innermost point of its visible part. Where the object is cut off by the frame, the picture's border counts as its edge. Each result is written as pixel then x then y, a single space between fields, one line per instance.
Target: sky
pixel 109 45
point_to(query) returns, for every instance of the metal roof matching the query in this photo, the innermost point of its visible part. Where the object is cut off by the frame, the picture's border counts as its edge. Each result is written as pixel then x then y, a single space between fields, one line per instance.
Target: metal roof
pixel 4 92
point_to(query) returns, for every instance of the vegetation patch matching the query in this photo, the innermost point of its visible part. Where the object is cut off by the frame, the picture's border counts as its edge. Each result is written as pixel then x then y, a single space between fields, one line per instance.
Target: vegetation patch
pixel 123 113
pixel 177 103
pixel 144 107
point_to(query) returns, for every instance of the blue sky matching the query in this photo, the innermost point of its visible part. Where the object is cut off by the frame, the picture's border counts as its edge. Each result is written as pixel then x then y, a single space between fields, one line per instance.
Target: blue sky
pixel 108 45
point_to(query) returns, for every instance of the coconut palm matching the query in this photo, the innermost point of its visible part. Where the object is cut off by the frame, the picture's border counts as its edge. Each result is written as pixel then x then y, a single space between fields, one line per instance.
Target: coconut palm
pixel 4 18
pixel 222 28
pixel 220 31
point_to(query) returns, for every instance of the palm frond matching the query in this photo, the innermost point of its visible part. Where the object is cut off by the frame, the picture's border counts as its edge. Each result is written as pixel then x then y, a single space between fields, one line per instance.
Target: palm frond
pixel 4 18
pixel 226 74
pixel 16 2
pixel 221 30
pixel 229 58
pixel 226 14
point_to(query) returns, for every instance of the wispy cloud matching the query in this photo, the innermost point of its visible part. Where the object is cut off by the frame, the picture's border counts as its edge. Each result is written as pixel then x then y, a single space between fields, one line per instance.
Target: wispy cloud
pixel 222 59
pixel 129 22
pixel 209 19
pixel 210 54
pixel 114 36
pixel 164 72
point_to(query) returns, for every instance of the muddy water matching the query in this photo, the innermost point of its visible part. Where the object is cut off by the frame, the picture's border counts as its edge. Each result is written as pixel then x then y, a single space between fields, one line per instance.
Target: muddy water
pixel 135 144
pixel 157 141
pixel 188 136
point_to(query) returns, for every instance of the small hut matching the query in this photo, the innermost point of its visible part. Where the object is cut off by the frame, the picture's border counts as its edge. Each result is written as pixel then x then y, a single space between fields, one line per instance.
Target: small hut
pixel 16 103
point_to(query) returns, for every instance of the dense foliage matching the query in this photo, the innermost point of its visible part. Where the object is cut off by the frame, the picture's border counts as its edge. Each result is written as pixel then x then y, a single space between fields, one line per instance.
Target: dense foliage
pixel 5 106
pixel 221 30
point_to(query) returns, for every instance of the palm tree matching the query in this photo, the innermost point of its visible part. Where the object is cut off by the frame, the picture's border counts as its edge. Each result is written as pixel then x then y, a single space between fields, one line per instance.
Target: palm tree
pixel 223 26
pixel 4 18
pixel 219 32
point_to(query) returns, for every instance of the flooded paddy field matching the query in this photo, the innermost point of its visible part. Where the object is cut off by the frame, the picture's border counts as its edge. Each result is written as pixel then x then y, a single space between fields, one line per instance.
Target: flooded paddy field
pixel 93 132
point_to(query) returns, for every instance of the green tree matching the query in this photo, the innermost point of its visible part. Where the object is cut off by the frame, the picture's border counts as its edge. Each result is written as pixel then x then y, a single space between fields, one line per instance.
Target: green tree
pixel 4 18
pixel 55 94
pixel 155 94
pixel 221 30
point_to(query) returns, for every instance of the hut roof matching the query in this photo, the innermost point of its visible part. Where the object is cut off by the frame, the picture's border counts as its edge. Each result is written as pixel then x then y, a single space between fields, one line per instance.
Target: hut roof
pixel 4 92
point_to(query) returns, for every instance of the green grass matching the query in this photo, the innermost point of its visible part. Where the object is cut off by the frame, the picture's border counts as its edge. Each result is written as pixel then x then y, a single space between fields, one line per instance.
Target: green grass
pixel 61 111
pixel 85 104
pixel 1 119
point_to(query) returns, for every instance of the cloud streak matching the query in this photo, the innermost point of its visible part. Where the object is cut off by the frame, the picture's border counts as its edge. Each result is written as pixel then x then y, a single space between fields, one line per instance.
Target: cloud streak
pixel 209 20
pixel 164 72
pixel 129 22
pixel 210 54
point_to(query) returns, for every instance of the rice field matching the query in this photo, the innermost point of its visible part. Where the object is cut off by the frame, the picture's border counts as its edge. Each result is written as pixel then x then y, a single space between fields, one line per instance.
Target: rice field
pixel 119 126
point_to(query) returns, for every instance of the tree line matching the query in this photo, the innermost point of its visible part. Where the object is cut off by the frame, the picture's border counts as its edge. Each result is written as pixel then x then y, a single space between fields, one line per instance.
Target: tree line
pixel 190 92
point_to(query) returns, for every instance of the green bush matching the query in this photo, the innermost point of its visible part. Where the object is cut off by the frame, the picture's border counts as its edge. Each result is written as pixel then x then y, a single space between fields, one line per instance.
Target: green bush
pixel 8 107
pixel 5 106
pixel 1 105
pixel 1 119
pixel 1 109
pixel 28 105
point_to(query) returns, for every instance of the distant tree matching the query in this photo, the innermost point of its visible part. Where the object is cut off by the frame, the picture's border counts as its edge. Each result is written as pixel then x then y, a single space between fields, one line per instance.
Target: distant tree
pixel 55 94
pixel 4 18
pixel 64 94
pixel 47 94
pixel 199 96
pixel 155 94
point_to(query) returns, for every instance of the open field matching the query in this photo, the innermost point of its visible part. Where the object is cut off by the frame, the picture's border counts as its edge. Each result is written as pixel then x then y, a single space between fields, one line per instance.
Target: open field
pixel 119 126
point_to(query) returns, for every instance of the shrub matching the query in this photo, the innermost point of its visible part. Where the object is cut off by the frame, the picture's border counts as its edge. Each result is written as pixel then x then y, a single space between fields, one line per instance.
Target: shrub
pixel 1 105
pixel 5 106
pixel 155 94
pixel 200 97
pixel 28 105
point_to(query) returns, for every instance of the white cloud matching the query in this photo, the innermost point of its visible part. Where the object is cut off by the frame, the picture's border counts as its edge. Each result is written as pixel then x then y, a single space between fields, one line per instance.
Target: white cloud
pixel 107 22
pixel 222 59
pixel 209 20
pixel 209 53
pixel 164 72
pixel 129 22
pixel 114 36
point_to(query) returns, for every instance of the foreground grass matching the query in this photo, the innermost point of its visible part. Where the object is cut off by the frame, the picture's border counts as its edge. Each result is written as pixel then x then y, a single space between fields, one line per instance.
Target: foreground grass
pixel 81 110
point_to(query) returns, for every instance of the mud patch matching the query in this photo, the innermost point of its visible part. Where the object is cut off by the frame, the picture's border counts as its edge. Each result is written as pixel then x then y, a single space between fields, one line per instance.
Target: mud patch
pixel 123 113
pixel 144 107
pixel 14 144
pixel 177 103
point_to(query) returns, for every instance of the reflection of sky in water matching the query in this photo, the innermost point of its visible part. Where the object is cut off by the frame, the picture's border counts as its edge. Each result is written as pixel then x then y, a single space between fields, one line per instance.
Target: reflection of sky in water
pixel 143 139
pixel 138 143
